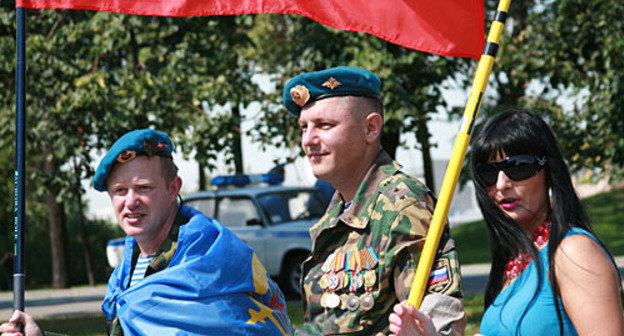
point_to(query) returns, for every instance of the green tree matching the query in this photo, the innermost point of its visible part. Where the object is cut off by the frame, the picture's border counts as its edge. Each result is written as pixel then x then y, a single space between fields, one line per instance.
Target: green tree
pixel 563 59
pixel 579 45
pixel 93 76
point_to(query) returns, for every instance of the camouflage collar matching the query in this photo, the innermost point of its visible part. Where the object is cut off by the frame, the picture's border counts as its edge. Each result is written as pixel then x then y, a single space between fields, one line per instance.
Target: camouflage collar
pixel 359 213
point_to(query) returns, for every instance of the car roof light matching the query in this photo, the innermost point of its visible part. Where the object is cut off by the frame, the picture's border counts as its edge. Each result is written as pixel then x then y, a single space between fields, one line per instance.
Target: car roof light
pixel 246 179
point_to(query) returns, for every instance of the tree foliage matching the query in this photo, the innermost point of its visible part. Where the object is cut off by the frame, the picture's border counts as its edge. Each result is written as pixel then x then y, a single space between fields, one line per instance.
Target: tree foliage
pixel 93 76
pixel 580 46
pixel 563 59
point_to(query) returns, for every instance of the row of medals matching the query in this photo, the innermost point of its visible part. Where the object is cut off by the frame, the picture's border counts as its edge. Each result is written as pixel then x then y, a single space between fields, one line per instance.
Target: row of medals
pixel 339 273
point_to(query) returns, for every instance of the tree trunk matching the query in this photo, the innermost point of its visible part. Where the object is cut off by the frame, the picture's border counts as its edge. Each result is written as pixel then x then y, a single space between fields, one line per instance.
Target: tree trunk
pixel 83 241
pixel 57 231
pixel 391 136
pixel 202 177
pixel 57 241
pixel 423 137
pixel 237 148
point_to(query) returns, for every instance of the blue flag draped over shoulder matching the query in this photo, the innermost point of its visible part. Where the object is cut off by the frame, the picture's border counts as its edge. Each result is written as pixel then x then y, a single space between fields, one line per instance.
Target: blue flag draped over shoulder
pixel 214 285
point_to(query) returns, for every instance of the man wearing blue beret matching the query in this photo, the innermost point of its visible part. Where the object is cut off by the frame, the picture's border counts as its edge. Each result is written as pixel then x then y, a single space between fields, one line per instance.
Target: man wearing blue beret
pixel 367 245
pixel 182 272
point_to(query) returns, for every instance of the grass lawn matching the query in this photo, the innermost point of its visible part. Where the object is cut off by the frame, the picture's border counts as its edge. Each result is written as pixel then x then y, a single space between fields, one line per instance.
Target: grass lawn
pixel 79 325
pixel 604 212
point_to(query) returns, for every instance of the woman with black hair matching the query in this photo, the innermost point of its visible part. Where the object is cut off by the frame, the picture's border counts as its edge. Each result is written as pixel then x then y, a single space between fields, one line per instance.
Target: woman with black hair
pixel 550 274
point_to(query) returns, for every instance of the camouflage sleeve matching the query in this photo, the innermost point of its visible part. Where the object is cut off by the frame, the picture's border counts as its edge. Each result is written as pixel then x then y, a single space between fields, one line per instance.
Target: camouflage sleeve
pixel 308 329
pixel 443 299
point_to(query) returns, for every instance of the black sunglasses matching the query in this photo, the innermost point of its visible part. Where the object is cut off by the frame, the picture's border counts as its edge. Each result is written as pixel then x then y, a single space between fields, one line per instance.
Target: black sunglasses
pixel 517 168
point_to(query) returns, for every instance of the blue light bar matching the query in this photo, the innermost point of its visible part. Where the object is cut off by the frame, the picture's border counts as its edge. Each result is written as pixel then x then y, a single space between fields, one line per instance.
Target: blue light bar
pixel 242 180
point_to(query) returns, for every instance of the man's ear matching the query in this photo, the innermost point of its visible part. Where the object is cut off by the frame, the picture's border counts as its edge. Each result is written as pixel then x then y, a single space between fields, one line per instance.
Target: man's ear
pixel 174 188
pixel 374 123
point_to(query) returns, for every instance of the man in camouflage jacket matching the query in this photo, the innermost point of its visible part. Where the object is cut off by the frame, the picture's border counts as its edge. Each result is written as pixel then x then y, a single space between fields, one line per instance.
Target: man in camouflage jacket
pixel 367 245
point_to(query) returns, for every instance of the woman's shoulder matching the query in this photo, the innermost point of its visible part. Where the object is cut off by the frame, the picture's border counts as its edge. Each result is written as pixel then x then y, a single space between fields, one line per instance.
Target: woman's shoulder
pixel 579 251
pixel 589 285
pixel 575 231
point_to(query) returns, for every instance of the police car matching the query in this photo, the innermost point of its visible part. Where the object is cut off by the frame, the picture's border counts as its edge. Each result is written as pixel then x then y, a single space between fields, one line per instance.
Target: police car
pixel 273 219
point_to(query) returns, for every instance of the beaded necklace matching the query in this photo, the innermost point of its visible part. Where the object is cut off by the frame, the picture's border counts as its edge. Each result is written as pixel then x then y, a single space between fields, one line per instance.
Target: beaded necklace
pixel 518 264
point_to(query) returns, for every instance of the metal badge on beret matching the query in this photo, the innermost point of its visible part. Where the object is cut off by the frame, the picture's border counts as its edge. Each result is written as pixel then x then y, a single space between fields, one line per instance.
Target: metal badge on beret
pixel 127 155
pixel 152 146
pixel 300 95
pixel 353 302
pixel 367 301
pixel 332 83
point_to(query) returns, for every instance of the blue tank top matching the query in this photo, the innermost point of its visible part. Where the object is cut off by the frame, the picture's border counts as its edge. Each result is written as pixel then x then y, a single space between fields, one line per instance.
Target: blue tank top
pixel 511 314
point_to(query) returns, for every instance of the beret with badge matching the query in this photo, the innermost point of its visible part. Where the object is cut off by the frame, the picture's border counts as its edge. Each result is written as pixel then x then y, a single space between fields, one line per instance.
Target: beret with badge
pixel 340 81
pixel 128 147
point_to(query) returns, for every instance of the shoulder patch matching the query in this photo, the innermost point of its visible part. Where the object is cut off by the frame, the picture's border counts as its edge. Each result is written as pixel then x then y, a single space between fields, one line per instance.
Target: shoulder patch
pixel 440 277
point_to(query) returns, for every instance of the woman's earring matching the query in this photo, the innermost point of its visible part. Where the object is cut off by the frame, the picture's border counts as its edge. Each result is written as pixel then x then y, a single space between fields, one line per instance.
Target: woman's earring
pixel 550 197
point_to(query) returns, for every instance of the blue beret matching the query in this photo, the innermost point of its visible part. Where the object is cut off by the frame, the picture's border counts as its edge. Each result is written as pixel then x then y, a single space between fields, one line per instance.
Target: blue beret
pixel 339 81
pixel 128 147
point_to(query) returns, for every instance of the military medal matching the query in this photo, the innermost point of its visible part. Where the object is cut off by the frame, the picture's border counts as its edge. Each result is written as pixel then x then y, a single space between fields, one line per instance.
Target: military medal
pixel 367 301
pixel 333 281
pixel 326 265
pixel 353 302
pixel 357 281
pixel 324 281
pixel 340 262
pixel 323 300
pixel 352 271
pixel 345 279
pixel 332 300
pixel 369 278
pixel 343 301
pixel 371 258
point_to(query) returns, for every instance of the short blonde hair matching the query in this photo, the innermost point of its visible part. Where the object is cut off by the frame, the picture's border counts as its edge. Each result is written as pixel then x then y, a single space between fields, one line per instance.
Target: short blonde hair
pixel 168 169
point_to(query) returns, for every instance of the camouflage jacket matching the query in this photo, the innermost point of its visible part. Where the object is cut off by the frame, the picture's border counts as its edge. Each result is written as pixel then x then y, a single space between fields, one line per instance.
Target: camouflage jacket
pixel 389 214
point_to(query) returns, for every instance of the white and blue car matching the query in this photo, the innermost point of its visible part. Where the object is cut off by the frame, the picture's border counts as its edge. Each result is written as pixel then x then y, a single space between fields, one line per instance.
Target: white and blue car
pixel 274 220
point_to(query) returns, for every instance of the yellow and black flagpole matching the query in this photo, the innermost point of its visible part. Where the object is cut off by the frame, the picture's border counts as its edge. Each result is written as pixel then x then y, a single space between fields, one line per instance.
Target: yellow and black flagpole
pixel 421 279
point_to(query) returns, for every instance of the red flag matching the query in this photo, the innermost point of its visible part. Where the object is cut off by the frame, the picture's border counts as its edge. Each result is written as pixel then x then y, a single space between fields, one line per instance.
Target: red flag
pixel 444 27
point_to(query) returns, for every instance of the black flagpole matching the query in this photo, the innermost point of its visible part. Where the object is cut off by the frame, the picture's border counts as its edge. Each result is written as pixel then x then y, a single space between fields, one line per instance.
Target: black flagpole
pixel 20 144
